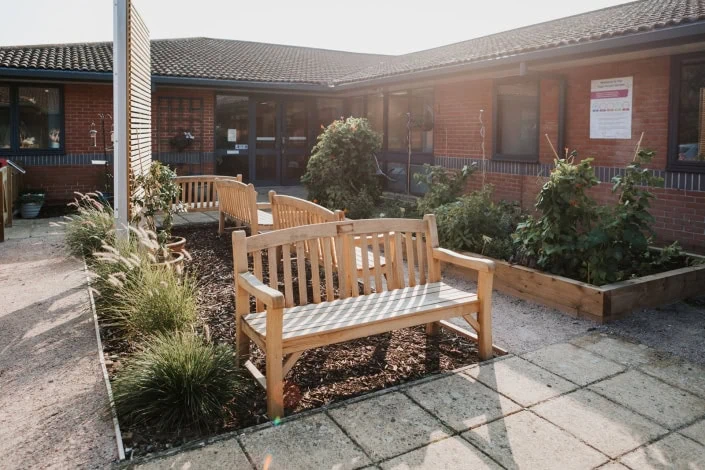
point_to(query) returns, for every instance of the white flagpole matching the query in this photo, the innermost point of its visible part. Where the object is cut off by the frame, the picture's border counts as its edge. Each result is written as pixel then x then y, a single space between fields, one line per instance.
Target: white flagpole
pixel 120 152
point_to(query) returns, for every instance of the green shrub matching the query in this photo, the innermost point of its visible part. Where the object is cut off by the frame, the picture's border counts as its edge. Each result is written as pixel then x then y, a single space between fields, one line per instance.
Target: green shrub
pixel 477 224
pixel 397 207
pixel 575 237
pixel 90 227
pixel 177 380
pixel 117 264
pixel 444 186
pixel 341 173
pixel 150 299
pixel 159 191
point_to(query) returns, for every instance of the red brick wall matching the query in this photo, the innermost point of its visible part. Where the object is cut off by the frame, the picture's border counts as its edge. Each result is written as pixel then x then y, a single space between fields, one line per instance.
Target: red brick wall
pixel 60 182
pixel 679 215
pixel 204 131
pixel 82 106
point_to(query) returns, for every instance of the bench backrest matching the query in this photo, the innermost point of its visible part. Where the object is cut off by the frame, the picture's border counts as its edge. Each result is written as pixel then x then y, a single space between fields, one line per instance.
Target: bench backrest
pixel 308 252
pixel 198 193
pixel 289 211
pixel 239 201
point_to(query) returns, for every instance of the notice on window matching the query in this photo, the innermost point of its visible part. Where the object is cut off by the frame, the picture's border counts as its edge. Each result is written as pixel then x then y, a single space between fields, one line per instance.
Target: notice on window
pixel 611 108
pixel 232 135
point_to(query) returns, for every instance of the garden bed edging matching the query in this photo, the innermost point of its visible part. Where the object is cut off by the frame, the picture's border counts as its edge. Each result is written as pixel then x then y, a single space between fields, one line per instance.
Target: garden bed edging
pixel 598 303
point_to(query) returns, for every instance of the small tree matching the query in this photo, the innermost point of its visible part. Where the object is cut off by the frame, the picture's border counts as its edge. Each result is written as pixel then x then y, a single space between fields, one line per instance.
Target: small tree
pixel 159 191
pixel 341 173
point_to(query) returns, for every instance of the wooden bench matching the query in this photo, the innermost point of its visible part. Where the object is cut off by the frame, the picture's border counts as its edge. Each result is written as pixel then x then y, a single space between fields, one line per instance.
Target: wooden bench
pixel 289 212
pixel 238 202
pixel 198 193
pixel 285 324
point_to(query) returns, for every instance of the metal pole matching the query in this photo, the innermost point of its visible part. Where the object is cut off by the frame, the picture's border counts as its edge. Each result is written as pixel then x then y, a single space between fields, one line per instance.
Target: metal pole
pixel 120 149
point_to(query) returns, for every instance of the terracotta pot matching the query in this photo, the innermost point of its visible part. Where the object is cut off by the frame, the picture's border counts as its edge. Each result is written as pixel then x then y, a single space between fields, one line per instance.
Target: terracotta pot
pixel 176 262
pixel 176 244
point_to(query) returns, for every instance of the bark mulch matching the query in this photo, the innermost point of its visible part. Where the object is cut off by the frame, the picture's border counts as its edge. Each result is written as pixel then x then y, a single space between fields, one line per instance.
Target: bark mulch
pixel 321 376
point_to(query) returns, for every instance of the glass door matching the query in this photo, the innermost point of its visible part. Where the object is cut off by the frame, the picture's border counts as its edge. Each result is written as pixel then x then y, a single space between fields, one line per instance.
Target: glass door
pixel 267 142
pixel 295 144
pixel 232 125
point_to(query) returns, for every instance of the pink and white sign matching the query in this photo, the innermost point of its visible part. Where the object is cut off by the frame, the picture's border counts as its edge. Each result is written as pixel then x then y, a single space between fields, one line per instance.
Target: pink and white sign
pixel 611 108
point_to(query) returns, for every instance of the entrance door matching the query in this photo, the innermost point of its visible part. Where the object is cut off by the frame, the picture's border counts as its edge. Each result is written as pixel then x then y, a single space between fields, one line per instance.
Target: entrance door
pixel 282 144
pixel 295 143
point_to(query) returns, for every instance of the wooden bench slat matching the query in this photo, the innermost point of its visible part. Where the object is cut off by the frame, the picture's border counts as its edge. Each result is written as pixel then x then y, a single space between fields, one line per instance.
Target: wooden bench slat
pixel 370 308
pixel 393 296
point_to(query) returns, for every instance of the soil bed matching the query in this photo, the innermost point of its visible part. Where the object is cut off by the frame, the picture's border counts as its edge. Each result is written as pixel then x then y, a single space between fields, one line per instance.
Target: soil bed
pixel 321 376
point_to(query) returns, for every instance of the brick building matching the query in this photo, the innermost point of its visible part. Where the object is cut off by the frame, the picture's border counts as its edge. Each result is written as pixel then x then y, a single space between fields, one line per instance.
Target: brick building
pixel 592 82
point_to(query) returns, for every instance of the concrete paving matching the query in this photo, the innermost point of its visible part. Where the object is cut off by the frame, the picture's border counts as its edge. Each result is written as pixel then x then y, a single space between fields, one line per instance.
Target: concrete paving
pixel 512 412
pixel 53 400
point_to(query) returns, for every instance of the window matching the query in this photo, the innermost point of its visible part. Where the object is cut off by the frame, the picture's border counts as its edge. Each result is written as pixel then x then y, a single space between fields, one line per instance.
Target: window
pixel 375 112
pixel 357 106
pixel 411 110
pixel 5 118
pixel 329 109
pixel 688 113
pixel 232 123
pixel 517 121
pixel 31 119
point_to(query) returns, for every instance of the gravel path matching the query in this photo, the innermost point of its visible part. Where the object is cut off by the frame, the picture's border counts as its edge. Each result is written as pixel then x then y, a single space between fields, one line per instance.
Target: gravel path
pixel 521 326
pixel 53 402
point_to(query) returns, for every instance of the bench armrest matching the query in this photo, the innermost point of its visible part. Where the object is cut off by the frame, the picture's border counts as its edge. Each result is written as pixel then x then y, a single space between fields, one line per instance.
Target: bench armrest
pixel 271 297
pixel 264 205
pixel 478 264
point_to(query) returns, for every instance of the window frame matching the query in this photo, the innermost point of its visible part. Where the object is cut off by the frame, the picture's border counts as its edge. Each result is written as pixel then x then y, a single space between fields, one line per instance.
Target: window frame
pixel 672 162
pixel 409 97
pixel 15 120
pixel 527 158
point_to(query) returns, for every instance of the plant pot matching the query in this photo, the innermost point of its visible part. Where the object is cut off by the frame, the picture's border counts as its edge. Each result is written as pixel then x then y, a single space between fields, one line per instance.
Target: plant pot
pixel 176 244
pixel 176 262
pixel 30 210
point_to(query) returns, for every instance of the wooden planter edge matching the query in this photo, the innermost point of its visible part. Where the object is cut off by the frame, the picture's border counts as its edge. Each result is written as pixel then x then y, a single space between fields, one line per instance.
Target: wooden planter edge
pixel 601 304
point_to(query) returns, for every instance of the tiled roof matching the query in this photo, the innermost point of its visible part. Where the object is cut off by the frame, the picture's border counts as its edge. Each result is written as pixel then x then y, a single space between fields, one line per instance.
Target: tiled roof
pixel 221 59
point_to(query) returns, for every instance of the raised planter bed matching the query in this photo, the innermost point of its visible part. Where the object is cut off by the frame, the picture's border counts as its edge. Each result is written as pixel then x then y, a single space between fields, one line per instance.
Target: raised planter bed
pixel 601 304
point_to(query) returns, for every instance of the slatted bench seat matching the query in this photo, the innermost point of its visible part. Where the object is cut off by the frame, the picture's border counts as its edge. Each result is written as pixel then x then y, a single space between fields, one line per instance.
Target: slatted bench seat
pixel 238 201
pixel 343 304
pixel 308 326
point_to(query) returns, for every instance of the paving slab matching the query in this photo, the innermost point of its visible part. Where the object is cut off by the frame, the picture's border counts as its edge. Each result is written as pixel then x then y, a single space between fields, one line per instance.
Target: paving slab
pixel 673 451
pixel 695 431
pixel 197 217
pixel 665 404
pixel 461 402
pixel 453 453
pixel 223 455
pixel 520 380
pixel 573 363
pixel 524 440
pixel 311 442
pixel 616 349
pixel 610 428
pixel 388 425
pixel 678 372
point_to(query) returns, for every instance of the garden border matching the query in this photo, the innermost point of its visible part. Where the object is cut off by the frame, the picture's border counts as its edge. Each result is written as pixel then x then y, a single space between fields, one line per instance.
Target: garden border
pixel 598 303
pixel 103 367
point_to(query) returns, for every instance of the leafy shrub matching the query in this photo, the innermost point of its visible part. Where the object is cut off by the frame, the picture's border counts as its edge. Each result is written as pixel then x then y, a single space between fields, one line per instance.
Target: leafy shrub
pixel 159 191
pixel 341 173
pixel 575 237
pixel 90 227
pixel 149 299
pixel 443 185
pixel 477 224
pixel 554 241
pixel 177 380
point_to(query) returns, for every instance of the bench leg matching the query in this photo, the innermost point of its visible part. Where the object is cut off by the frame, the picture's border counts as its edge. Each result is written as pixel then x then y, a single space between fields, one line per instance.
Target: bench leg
pixel 242 341
pixel 275 365
pixel 432 329
pixel 484 316
pixel 221 223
